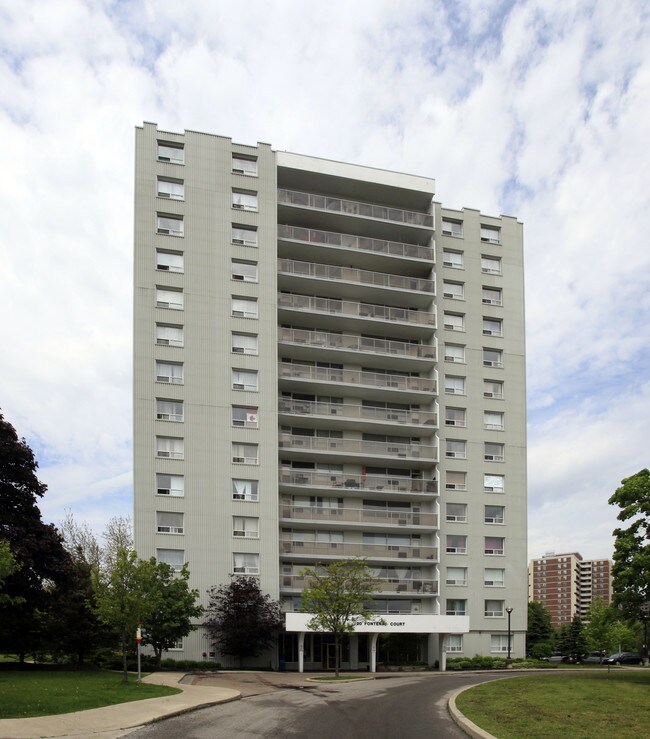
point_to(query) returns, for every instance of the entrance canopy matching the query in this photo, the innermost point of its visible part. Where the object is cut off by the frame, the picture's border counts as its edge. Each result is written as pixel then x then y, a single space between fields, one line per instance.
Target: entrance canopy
pixel 392 624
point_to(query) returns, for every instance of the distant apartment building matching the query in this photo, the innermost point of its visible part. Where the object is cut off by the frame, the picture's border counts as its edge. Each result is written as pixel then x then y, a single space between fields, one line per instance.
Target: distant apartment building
pixel 329 364
pixel 567 584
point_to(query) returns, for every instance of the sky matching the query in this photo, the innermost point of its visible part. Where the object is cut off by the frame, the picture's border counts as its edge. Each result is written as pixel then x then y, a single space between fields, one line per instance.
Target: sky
pixel 538 109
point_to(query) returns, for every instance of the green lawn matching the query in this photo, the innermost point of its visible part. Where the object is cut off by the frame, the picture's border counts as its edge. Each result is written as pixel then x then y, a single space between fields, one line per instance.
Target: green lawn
pixel 571 705
pixel 34 693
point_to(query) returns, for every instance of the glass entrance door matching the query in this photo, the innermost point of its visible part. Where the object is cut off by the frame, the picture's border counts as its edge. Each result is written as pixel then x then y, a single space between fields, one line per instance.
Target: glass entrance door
pixel 329 657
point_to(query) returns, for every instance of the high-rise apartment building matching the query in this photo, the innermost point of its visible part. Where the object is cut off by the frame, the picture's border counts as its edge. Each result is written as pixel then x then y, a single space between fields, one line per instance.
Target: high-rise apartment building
pixel 566 584
pixel 329 364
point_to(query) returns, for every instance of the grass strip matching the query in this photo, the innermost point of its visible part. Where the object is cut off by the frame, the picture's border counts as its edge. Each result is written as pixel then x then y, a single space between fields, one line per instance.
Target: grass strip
pixel 24 694
pixel 576 705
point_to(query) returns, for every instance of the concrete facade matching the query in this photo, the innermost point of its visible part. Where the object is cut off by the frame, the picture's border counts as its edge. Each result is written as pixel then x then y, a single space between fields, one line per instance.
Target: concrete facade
pixel 327 364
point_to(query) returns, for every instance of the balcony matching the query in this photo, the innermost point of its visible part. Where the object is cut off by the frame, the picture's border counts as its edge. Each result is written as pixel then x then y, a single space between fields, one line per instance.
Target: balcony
pixel 397 586
pixel 366 384
pixel 397 486
pixel 353 207
pixel 369 249
pixel 402 519
pixel 354 412
pixel 338 550
pixel 350 346
pixel 336 313
pixel 344 448
pixel 364 284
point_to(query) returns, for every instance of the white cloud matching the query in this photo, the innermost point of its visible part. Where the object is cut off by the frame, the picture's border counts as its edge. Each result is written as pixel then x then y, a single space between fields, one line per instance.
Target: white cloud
pixel 538 109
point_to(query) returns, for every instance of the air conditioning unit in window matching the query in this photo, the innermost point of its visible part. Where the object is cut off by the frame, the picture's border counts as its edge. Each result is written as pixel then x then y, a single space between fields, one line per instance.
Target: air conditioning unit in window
pixel 163 491
pixel 164 195
pixel 238 349
pixel 453 454
pixel 239 532
pixel 488 363
pixel 163 378
pixel 489 457
pixel 448 264
pixel 488 395
pixel 448 295
pixel 162 453
pixel 449 326
pixel 162 266
pixel 447 233
pixel 237 171
pixel 238 205
pixel 238 313
pixel 238 386
pixel 450 486
pixel 450 422
pixel 238 459
pixel 238 277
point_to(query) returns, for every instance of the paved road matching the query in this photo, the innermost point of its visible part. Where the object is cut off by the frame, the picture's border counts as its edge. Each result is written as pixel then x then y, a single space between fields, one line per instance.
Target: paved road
pixel 390 708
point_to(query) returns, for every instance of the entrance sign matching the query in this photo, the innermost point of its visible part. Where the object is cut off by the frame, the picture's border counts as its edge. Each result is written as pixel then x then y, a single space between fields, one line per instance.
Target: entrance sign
pixel 393 624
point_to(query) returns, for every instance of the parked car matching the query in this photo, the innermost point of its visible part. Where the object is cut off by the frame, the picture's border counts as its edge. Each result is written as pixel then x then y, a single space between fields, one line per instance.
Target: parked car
pixel 623 658
pixel 558 657
pixel 593 658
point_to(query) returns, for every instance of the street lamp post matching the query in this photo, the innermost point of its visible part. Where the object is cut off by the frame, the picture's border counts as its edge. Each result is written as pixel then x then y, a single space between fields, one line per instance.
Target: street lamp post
pixel 508 659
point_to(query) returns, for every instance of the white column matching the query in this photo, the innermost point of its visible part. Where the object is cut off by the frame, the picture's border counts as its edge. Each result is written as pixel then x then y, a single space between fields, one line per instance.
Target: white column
pixel 301 651
pixel 373 652
pixel 442 652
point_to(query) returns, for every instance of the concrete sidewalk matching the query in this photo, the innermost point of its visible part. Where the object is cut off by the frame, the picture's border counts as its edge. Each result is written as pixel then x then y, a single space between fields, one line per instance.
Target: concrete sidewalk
pixel 110 722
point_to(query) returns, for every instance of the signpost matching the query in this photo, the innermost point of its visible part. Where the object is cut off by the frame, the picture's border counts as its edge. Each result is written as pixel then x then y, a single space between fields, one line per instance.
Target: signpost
pixel 138 641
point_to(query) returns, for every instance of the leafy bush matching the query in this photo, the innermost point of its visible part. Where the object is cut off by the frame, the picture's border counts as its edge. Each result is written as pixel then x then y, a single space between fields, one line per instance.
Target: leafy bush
pixel 479 662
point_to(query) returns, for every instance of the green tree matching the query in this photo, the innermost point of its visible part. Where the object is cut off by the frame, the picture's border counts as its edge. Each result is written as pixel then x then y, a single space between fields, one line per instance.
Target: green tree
pixel 241 620
pixel 122 599
pixel 8 566
pixel 337 595
pixel 631 569
pixel 604 630
pixel 44 564
pixel 171 606
pixel 571 639
pixel 539 636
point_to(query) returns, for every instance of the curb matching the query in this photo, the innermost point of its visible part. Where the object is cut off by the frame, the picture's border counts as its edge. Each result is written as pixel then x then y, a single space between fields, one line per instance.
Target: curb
pixel 469 727
pixel 188 709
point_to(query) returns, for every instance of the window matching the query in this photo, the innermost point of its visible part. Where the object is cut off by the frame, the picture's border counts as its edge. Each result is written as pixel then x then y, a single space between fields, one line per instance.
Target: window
pixel 171 152
pixel 454 321
pixel 494 608
pixel 455 480
pixel 168 261
pixel 456 544
pixel 246 526
pixel 244 379
pixel 243 236
pixel 245 453
pixel 492 327
pixel 176 646
pixel 493 420
pixel 493 452
pixel 499 643
pixel 170 225
pixel 169 372
pixel 456 417
pixel 454 290
pixel 243 165
pixel 456 607
pixel 172 189
pixel 245 490
pixel 244 200
pixel 494 577
pixel 490 234
pixel 172 485
pixel 494 545
pixel 172 557
pixel 169 410
pixel 245 417
pixel 244 271
pixel 454 385
pixel 169 447
pixel 455 448
pixel 169 335
pixel 452 228
pixel 453 643
pixel 491 295
pixel 246 563
pixel 243 307
pixel 456 512
pixel 169 523
pixel 452 259
pixel 493 389
pixel 244 343
pixel 495 513
pixel 169 298
pixel 456 576
pixel 492 358
pixel 490 265
pixel 454 353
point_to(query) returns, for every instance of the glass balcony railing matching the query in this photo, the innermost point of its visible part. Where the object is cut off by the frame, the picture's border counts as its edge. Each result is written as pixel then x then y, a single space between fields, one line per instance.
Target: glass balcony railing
pixel 345 549
pixel 353 309
pixel 360 243
pixel 358 515
pixel 350 342
pixel 335 273
pixel 354 411
pixel 357 377
pixel 330 444
pixel 370 483
pixel 354 208
pixel 396 585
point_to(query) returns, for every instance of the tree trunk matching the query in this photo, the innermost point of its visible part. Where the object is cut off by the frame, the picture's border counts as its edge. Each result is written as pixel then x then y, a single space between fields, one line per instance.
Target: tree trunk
pixel 124 661
pixel 336 654
pixel 158 653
